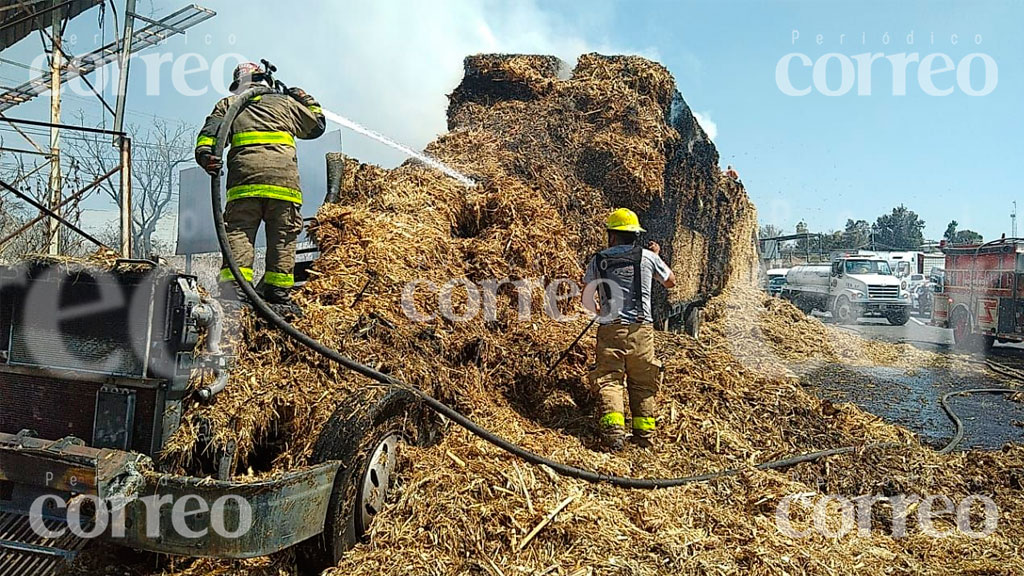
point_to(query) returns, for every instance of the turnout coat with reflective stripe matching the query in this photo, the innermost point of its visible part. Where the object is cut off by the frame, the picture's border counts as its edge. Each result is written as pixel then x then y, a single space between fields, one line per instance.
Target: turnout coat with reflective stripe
pixel 261 160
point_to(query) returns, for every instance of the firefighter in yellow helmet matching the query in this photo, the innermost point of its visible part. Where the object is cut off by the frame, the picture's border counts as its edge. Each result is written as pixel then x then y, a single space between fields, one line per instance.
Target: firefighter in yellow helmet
pixel 263 178
pixel 620 278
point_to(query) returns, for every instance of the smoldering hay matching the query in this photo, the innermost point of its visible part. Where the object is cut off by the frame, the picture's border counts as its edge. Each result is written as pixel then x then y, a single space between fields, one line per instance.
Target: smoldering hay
pixel 553 153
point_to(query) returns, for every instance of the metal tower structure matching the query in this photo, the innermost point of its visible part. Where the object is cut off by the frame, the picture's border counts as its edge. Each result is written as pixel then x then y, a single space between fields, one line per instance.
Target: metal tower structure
pixel 18 19
pixel 1013 221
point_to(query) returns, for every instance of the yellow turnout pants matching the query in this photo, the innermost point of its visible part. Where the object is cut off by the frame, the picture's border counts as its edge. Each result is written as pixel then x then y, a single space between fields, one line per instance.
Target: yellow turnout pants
pixel 625 361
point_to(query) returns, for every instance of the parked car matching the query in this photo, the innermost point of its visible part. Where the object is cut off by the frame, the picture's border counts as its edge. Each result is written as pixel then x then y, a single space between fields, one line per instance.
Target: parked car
pixel 775 286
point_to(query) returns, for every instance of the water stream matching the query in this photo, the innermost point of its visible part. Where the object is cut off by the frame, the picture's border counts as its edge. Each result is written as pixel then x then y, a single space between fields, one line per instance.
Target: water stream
pixel 432 162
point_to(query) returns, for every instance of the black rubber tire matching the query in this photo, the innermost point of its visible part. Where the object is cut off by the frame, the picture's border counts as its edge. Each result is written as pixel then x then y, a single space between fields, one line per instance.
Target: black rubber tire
pixel 350 436
pixel 837 311
pixel 987 342
pixel 692 323
pixel 960 323
pixel 898 318
pixel 801 303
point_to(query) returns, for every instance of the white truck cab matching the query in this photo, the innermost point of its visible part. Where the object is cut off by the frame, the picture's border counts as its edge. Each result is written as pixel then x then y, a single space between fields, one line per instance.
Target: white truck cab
pixel 850 288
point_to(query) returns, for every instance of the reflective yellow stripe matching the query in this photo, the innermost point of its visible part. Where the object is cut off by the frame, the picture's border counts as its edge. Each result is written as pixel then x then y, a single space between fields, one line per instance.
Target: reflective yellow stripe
pixel 279 279
pixel 643 424
pixel 252 138
pixel 256 98
pixel 265 191
pixel 206 141
pixel 316 110
pixel 613 419
pixel 225 274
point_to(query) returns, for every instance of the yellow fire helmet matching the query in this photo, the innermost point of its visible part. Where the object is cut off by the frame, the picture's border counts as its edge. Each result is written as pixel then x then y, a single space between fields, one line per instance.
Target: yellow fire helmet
pixel 624 220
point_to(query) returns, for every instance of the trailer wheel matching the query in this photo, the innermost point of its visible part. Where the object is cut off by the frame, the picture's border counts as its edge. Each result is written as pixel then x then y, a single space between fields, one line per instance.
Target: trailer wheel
pixel 692 323
pixel 843 311
pixel 368 442
pixel 898 318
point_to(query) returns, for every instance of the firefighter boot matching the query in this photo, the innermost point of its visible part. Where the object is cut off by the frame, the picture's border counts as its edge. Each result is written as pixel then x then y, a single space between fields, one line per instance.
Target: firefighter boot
pixel 232 298
pixel 643 439
pixel 280 299
pixel 613 438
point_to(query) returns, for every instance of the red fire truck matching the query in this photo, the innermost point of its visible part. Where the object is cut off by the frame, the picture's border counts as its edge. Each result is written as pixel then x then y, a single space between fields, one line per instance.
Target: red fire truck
pixel 982 297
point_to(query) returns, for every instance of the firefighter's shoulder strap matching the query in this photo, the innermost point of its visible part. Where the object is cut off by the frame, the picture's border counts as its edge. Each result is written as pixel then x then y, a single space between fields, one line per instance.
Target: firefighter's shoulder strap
pixel 608 264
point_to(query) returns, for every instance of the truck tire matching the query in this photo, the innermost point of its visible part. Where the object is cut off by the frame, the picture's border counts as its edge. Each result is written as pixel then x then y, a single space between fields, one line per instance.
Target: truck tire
pixel 803 304
pixel 843 312
pixel 366 435
pixel 964 338
pixel 899 317
pixel 987 342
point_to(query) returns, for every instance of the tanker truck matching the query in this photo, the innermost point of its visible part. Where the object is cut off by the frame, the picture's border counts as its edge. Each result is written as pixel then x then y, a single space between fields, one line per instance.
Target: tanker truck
pixel 849 288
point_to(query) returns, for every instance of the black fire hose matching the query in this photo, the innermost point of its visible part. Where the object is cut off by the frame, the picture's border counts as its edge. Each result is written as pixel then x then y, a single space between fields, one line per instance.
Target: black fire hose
pixel 238 103
pixel 958 435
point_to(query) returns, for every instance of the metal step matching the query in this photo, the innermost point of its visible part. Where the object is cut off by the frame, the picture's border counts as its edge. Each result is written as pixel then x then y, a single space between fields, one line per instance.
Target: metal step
pixel 25 553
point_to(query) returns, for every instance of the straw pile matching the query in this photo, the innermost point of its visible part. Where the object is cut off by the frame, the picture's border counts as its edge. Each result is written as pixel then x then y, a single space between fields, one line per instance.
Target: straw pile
pixel 552 156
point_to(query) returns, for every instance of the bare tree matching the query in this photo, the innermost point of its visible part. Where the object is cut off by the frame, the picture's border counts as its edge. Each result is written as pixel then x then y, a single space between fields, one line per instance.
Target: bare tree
pixel 155 149
pixel 22 227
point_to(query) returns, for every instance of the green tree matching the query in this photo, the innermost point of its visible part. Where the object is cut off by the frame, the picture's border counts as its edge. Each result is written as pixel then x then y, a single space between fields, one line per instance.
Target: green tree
pixel 833 240
pixel 802 243
pixel 856 235
pixel 954 236
pixel 950 235
pixel 967 237
pixel 900 230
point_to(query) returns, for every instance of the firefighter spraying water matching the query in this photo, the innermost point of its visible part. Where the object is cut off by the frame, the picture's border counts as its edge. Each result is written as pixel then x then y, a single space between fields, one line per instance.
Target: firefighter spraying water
pixel 263 177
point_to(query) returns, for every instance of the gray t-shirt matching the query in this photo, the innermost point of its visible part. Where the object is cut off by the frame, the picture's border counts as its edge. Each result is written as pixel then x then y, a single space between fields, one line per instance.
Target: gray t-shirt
pixel 622 289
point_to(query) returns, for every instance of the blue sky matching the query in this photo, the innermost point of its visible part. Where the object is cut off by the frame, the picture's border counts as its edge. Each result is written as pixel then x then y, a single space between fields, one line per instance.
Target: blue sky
pixel 823 159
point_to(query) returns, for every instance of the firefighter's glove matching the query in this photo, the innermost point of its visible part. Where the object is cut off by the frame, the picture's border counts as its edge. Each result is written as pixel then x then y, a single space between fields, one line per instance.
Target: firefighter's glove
pixel 300 95
pixel 212 164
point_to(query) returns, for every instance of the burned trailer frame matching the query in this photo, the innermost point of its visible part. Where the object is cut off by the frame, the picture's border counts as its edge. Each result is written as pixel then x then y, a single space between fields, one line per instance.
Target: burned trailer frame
pixel 89 399
pixel 224 519
pixel 982 297
pixel 236 520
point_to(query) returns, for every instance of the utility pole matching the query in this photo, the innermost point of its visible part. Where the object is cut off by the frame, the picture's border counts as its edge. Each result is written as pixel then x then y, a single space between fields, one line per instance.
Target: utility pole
pixel 126 197
pixel 122 142
pixel 54 189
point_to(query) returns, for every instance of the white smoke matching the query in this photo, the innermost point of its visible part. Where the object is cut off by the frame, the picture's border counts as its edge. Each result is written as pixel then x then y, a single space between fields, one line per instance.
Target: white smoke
pixel 390 65
pixel 709 125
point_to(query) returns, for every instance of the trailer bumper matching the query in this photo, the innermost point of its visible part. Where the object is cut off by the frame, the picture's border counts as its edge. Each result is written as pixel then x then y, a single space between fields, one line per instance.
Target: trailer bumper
pixel 112 495
pixel 201 517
